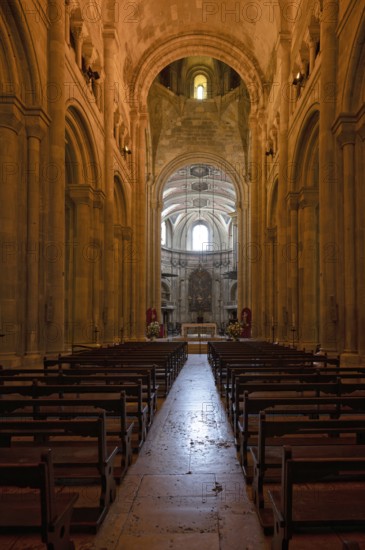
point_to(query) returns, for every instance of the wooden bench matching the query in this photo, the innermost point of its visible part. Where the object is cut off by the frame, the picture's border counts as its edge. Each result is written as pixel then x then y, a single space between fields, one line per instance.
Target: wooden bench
pixel 285 374
pixel 291 389
pixel 118 427
pixel 136 407
pixel 47 512
pixel 299 503
pixel 248 423
pixel 88 377
pixel 311 437
pixel 79 452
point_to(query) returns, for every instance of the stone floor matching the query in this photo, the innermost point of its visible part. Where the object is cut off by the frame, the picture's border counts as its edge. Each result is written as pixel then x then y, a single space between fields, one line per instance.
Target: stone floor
pixel 185 489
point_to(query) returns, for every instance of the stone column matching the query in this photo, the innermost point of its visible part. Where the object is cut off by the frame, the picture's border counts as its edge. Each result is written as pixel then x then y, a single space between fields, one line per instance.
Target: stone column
pixel 292 257
pixel 98 264
pixel 252 248
pixel 77 31
pixel 118 277
pixel 67 22
pixel 328 191
pixel 55 259
pixel 271 235
pixel 360 240
pixel 155 247
pixel 127 282
pixel 10 177
pixel 109 291
pixel 346 137
pixel 282 213
pixel 308 321
pixel 139 226
pixel 35 132
pixel 81 195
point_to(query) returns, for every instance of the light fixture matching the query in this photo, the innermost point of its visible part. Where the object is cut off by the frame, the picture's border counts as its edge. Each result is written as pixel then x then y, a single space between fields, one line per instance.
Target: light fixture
pixel 126 151
pixel 298 78
pixel 269 152
pixel 92 75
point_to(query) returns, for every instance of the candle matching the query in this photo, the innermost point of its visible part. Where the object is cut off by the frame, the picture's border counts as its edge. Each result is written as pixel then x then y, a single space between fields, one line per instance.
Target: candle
pixel 293 319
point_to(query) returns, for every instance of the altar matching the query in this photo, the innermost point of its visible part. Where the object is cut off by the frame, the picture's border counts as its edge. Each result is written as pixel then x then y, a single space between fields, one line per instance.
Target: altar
pixel 199 330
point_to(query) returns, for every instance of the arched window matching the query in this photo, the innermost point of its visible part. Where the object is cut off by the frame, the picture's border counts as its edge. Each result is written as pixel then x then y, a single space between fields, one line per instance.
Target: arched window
pixel 200 236
pixel 200 87
pixel 163 233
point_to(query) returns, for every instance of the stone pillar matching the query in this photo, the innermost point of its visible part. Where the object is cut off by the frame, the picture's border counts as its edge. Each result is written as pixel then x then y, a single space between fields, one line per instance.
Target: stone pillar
pixel 360 240
pixel 10 178
pixel 252 248
pixel 328 192
pixel 67 22
pixel 109 291
pixel 127 282
pixel 292 257
pixel 118 277
pixel 271 235
pixel 308 321
pixel 243 283
pixel 98 264
pixel 77 31
pixel 346 137
pixel 139 306
pixel 282 213
pixel 35 131
pixel 55 260
pixel 81 195
pixel 154 247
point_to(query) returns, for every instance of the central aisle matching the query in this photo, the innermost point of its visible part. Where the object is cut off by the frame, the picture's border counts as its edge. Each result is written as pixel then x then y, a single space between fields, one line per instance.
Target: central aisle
pixel 186 489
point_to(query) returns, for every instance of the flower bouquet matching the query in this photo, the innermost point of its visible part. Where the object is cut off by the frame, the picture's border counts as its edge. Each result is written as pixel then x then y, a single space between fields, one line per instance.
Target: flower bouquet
pixel 234 330
pixel 153 329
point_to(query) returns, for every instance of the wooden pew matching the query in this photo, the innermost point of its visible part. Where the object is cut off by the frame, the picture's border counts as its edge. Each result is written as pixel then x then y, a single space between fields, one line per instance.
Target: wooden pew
pixel 323 437
pixel 118 428
pixel 47 511
pixel 79 452
pixel 136 407
pixel 296 374
pixel 248 423
pixel 91 376
pixel 340 506
pixel 301 389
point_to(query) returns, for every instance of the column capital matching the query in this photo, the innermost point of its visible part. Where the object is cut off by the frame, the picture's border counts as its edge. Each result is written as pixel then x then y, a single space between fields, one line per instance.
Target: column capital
pixel 109 33
pixel 80 194
pixel 77 28
pixel 36 123
pixel 308 196
pixel 271 234
pixel 292 200
pixel 344 129
pixel 127 233
pixel 11 116
pixel 118 231
pixel 285 38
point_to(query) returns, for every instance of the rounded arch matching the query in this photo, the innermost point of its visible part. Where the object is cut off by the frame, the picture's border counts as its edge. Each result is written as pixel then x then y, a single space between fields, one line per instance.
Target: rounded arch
pixel 273 203
pixel 353 94
pixel 82 162
pixel 161 54
pixel 304 170
pixel 18 63
pixel 121 207
pixel 180 161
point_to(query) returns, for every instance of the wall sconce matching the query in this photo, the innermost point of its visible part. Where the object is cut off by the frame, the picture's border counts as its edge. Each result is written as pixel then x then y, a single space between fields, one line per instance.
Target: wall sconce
pixel 269 152
pixel 298 78
pixel 126 151
pixel 92 75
